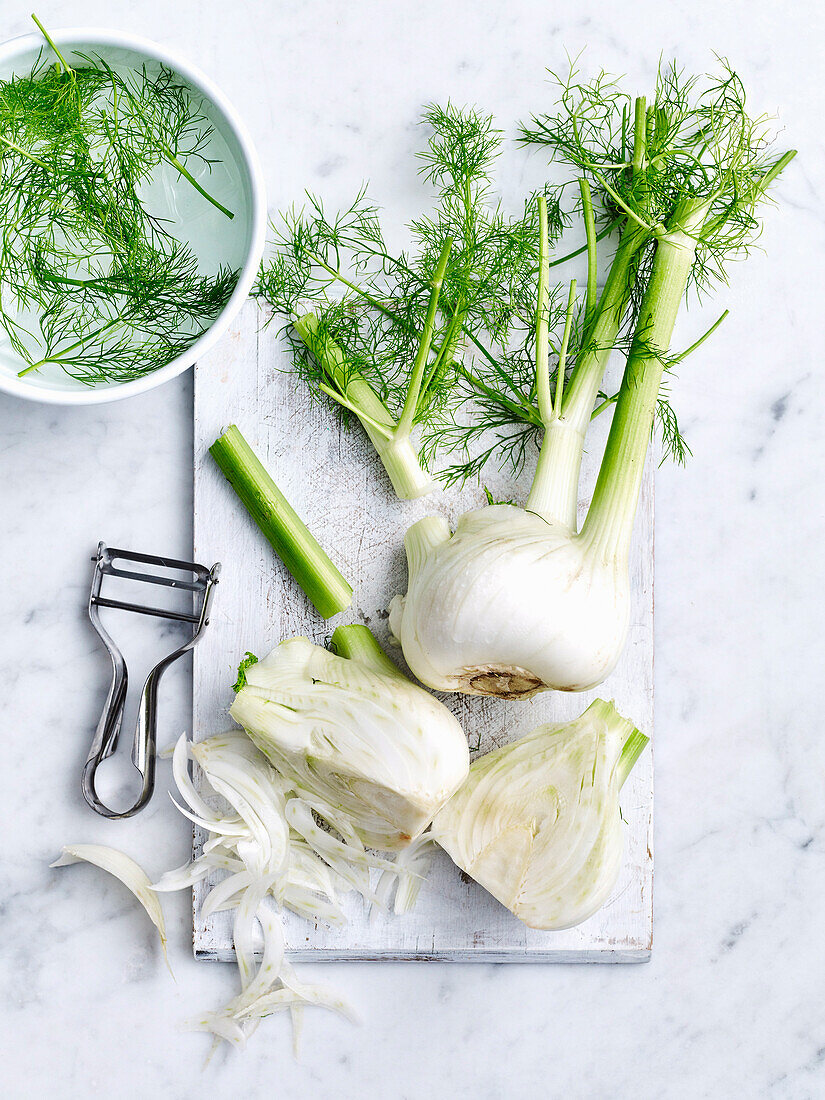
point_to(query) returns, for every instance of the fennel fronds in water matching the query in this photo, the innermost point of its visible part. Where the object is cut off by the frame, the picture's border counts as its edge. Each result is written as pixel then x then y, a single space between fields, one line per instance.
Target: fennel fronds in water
pixel 90 280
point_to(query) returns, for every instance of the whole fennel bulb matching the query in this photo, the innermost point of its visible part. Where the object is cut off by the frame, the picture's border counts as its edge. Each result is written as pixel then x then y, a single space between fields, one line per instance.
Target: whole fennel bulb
pixel 537 822
pixel 350 729
pixel 518 600
pixel 510 604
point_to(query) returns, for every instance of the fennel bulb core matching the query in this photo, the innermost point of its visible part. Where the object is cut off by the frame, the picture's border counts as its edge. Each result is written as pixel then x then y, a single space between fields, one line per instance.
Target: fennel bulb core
pixel 350 729
pixel 537 823
pixel 510 605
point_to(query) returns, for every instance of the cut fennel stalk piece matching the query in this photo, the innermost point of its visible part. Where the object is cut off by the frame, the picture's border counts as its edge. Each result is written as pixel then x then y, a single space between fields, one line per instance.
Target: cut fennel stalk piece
pixel 391 438
pixel 353 392
pixel 537 823
pixel 286 533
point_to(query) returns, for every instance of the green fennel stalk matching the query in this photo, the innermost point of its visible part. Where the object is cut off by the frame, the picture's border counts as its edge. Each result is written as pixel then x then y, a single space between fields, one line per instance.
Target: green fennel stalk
pixel 286 533
pixel 380 334
pixel 358 643
pixel 686 184
pixel 392 438
pixel 609 522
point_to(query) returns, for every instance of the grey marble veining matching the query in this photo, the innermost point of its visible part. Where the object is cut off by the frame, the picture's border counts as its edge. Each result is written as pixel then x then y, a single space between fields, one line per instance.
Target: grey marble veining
pixel 732 1002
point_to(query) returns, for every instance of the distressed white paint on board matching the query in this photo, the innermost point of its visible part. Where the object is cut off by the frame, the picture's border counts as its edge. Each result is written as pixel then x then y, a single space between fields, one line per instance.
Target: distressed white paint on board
pixel 336 484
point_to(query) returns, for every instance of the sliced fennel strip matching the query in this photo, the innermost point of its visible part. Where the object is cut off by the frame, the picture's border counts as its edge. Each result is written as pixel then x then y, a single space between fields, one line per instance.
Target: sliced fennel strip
pixel 285 841
pixel 124 868
pixel 320 868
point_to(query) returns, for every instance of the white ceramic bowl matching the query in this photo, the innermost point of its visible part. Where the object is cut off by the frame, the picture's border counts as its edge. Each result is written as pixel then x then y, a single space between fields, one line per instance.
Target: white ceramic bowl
pixel 17 57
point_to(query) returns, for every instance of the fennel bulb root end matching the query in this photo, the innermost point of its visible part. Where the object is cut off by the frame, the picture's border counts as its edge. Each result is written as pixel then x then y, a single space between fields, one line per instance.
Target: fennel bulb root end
pixel 500 681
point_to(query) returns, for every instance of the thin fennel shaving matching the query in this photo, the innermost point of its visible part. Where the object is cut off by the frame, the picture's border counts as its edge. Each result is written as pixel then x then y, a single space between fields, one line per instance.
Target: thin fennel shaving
pixel 125 869
pixel 279 858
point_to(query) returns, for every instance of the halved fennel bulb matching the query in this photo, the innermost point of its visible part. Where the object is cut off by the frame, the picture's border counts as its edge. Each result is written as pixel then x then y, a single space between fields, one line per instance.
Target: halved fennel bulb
pixel 350 729
pixel 537 823
pixel 510 604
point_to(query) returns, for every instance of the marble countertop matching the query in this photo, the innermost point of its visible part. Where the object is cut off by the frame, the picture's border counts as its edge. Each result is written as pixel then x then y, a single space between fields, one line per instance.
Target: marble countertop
pixel 731 1003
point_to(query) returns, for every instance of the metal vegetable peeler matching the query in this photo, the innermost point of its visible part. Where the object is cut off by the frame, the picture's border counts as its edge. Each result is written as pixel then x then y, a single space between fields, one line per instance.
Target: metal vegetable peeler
pixel 108 729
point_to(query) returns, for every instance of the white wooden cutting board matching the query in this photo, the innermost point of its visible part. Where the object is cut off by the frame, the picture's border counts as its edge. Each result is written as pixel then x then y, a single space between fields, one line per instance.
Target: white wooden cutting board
pixel 336 484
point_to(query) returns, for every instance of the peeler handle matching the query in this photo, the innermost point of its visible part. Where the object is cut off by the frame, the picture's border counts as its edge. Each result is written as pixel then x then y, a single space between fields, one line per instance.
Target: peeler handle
pixel 144 750
pixel 106 735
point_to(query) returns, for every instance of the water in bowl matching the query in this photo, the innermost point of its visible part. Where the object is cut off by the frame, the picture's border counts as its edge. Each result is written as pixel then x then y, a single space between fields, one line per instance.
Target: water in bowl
pixel 214 239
